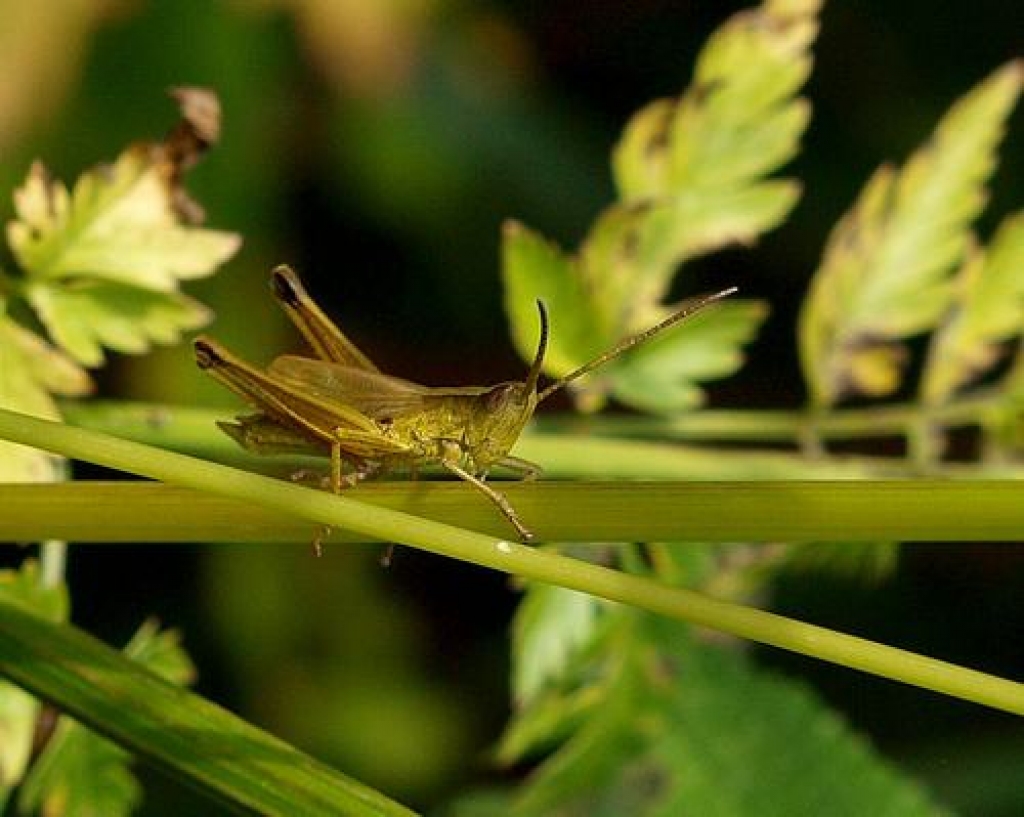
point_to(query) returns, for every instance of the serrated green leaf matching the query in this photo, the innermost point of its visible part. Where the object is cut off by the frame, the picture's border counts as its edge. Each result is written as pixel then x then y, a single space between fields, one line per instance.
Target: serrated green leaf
pixel 988 311
pixel 604 742
pixel 532 268
pixel 118 224
pixel 703 222
pixel 690 728
pixel 726 718
pixel 691 175
pixel 662 375
pixel 551 625
pixel 80 774
pixel 161 651
pixel 885 273
pixel 87 317
pixel 126 231
pixel 737 121
pixel 30 370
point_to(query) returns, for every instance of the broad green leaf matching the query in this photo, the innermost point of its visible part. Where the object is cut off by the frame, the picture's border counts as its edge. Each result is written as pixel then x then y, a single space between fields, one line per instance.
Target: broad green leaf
pixel 19 710
pixel 988 311
pixel 30 371
pixel 723 718
pixel 886 271
pixel 174 729
pixel 87 317
pixel 79 773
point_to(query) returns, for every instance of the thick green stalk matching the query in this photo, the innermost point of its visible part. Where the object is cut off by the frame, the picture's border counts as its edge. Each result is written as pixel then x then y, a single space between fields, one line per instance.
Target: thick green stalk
pixel 691 512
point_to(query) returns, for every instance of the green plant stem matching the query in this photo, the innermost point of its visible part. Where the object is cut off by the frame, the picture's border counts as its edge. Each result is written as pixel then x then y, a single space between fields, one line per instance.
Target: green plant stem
pixel 510 557
pixel 194 431
pixel 704 512
pixel 138 420
pixel 765 425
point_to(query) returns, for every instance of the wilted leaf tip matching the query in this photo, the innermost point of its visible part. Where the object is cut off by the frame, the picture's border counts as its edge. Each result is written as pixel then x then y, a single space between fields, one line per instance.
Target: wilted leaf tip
pixel 195 133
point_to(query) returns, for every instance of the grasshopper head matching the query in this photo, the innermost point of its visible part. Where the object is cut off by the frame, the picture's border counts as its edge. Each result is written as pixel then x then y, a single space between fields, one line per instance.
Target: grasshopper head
pixel 501 414
pixel 504 410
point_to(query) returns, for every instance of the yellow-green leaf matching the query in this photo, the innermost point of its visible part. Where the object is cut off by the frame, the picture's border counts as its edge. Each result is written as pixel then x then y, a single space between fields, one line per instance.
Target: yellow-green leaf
pixel 885 272
pixel 535 268
pixel 118 224
pixel 662 375
pixel 85 318
pixel 125 232
pixel 30 370
pixel 692 176
pixel 988 311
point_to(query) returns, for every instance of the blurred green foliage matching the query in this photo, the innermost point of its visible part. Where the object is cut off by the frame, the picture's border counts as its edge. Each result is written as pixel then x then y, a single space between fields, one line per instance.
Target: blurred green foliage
pixel 379 147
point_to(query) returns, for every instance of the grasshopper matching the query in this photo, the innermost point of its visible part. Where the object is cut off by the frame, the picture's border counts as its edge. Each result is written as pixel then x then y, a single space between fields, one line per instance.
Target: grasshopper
pixel 341 405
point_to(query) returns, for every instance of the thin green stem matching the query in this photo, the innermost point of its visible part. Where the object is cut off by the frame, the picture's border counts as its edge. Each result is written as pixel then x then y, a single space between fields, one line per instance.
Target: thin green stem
pixel 783 425
pixel 194 431
pixel 324 509
pixel 724 425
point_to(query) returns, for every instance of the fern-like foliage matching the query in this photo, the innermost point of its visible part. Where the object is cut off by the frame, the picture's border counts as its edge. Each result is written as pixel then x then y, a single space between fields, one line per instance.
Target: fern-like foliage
pixel 629 715
pixel 987 312
pixel 692 178
pixel 886 273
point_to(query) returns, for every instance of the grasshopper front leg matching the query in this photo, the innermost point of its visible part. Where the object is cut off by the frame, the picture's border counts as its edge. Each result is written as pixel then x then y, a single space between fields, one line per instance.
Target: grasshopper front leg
pixel 497 498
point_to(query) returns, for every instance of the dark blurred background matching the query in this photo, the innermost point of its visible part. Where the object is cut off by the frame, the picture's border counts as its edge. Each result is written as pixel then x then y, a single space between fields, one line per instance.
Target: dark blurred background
pixel 378 146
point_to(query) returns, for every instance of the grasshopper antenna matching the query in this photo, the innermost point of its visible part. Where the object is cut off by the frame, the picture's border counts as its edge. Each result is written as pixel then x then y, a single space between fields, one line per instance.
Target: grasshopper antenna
pixel 542 346
pixel 688 309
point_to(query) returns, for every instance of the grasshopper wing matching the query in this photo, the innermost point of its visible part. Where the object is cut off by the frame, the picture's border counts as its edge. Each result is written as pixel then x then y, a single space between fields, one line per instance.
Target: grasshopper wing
pixel 279 400
pixel 327 340
pixel 374 395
